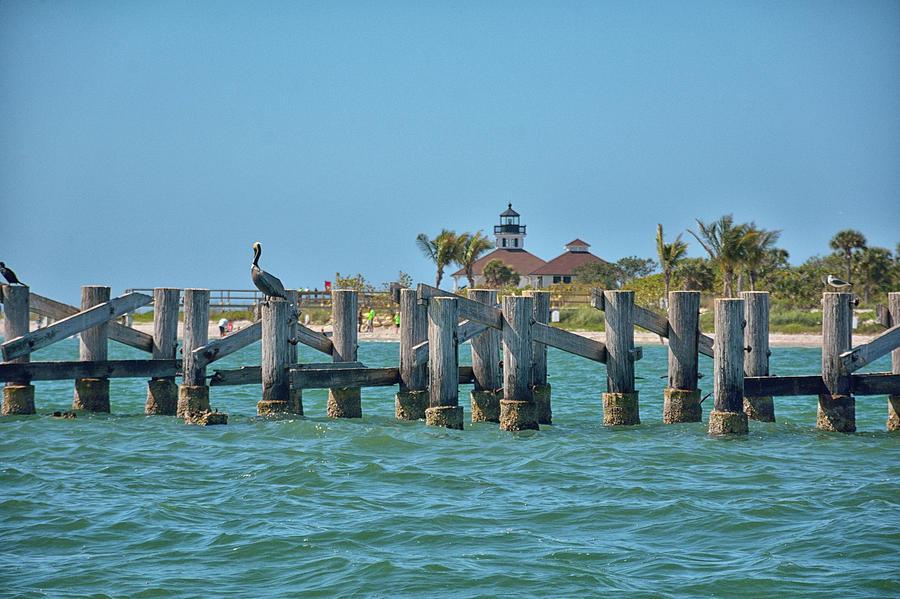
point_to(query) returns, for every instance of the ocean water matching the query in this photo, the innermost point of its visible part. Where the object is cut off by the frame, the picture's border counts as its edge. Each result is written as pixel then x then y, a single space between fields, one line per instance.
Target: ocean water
pixel 128 505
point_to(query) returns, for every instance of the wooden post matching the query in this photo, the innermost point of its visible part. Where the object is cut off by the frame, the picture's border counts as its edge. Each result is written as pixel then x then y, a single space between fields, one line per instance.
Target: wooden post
pixel 756 358
pixel 682 397
pixel 276 358
pixel 486 366
pixel 837 408
pixel 18 396
pixel 162 393
pixel 517 408
pixel 93 394
pixel 443 364
pixel 620 403
pixel 893 421
pixel 344 402
pixel 412 400
pixel 193 394
pixel 295 402
pixel 540 387
pixel 728 415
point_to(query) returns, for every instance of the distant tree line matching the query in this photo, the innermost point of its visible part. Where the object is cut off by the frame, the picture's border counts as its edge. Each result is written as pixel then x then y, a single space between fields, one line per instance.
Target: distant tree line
pixel 741 256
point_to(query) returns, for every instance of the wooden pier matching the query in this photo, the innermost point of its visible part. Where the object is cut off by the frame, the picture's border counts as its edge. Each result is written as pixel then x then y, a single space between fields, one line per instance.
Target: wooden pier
pixel 508 372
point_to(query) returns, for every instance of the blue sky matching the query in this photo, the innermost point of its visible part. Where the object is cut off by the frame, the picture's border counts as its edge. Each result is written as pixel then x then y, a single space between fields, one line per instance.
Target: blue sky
pixel 151 143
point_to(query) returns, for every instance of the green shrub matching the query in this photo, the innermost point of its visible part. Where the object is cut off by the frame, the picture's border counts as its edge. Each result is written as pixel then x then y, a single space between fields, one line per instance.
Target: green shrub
pixel 583 318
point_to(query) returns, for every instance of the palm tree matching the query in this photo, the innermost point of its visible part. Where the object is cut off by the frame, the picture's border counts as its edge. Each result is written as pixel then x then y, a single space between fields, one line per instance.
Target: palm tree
pixel 696 274
pixel 498 274
pixel 846 241
pixel 759 252
pixel 726 244
pixel 670 254
pixel 471 247
pixel 875 264
pixel 442 250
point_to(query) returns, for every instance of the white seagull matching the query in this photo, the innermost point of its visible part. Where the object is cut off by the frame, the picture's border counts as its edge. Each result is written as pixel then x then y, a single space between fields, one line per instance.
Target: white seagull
pixel 836 282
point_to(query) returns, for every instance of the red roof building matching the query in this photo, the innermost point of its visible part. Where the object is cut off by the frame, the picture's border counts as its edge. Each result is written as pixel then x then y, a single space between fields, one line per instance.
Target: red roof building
pixel 510 241
pixel 562 268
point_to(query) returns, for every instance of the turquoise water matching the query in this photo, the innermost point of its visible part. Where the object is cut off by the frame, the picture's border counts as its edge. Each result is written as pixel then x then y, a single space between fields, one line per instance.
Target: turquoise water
pixel 125 505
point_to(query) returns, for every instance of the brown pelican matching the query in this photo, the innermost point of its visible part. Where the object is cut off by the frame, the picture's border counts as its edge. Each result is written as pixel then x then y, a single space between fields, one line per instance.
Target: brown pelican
pixel 9 275
pixel 268 284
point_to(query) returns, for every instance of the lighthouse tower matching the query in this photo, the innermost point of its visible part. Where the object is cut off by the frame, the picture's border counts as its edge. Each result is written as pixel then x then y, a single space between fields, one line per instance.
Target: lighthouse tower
pixel 510 235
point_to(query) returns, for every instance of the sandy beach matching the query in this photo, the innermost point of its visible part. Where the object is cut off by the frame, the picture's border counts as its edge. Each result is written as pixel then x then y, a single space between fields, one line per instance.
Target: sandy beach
pixel 390 333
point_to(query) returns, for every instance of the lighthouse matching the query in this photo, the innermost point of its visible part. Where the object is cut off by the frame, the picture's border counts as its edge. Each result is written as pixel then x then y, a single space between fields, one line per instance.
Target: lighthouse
pixel 510 235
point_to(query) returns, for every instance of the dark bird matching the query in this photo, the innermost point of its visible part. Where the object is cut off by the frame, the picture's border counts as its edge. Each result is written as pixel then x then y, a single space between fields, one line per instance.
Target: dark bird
pixel 9 275
pixel 268 284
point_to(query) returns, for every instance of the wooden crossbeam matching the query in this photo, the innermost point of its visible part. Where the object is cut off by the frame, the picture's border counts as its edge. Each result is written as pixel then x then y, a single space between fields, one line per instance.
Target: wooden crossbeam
pixel 860 384
pixel 653 322
pixel 219 348
pixel 881 345
pixel 246 375
pixel 468 329
pixel 776 386
pixel 315 340
pixel 67 327
pixel 330 378
pixel 875 383
pixel 117 332
pixel 470 309
pixel 650 320
pixel 570 342
pixel 252 375
pixel 54 371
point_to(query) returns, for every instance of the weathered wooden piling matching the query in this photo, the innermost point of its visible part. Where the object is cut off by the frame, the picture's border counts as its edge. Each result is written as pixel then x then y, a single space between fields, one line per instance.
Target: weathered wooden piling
pixel 162 393
pixel 193 394
pixel 539 386
pixel 276 359
pixel 486 366
pixel 92 394
pixel 893 421
pixel 18 396
pixel 681 396
pixel 620 402
pixel 727 416
pixel 517 408
pixel 344 402
pixel 837 408
pixel 443 364
pixel 295 402
pixel 756 358
pixel 412 400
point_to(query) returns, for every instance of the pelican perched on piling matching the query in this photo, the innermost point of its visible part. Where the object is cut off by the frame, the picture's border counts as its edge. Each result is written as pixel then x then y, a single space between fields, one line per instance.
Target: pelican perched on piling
pixel 265 282
pixel 9 275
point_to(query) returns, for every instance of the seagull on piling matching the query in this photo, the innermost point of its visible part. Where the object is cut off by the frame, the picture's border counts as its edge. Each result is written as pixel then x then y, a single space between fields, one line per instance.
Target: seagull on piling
pixel 269 284
pixel 836 282
pixel 9 275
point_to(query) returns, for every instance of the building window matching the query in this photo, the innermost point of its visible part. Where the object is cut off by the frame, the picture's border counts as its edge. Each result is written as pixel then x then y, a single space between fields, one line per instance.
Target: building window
pixel 567 279
pixel 504 242
pixel 557 279
pixel 516 242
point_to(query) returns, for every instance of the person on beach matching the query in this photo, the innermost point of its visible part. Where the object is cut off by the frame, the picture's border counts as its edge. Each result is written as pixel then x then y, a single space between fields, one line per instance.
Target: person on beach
pixel 396 320
pixel 359 321
pixel 370 319
pixel 223 324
